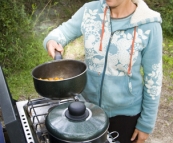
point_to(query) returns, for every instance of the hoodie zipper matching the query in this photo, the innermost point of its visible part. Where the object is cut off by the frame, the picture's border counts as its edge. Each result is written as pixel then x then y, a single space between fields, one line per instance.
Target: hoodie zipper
pixel 106 57
pixel 104 69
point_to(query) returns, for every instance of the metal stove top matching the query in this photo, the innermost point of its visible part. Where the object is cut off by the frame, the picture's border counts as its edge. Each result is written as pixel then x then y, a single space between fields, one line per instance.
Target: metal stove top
pixel 32 114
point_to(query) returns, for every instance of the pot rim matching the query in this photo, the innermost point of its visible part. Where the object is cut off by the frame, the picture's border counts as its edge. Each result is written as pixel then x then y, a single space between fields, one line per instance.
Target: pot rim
pixel 58 61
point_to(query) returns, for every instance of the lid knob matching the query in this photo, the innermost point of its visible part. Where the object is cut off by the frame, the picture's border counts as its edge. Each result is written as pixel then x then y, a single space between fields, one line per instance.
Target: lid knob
pixel 77 111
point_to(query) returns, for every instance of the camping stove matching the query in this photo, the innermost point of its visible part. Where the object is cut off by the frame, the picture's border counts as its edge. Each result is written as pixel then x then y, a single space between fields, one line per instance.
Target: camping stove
pixel 24 121
pixel 33 114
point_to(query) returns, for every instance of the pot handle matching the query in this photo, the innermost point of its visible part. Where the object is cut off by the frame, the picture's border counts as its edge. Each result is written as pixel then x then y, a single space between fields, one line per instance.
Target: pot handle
pixel 114 137
pixel 58 55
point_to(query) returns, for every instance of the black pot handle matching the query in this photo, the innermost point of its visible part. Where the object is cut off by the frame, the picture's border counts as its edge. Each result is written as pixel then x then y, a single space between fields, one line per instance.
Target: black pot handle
pixel 58 55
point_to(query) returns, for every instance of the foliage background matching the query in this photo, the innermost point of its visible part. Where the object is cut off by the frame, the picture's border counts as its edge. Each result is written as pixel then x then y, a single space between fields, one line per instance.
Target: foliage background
pixel 165 7
pixel 24 24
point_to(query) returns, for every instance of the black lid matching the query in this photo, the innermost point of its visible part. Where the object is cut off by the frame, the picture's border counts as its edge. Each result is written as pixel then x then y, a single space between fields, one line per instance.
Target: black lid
pixel 88 123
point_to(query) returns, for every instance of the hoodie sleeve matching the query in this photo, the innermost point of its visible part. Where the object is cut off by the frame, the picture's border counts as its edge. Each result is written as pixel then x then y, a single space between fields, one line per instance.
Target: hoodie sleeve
pixel 67 31
pixel 152 68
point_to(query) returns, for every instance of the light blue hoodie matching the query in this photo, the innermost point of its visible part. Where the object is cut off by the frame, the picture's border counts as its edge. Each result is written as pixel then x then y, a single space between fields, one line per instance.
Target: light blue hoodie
pixel 114 80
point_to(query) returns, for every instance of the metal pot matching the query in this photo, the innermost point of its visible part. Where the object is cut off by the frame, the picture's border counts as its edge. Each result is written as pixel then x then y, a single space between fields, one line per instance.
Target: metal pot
pixel 73 73
pixel 77 122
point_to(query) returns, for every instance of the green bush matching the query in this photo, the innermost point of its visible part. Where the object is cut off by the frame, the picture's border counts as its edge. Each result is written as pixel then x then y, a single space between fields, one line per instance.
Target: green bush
pixel 15 28
pixel 165 7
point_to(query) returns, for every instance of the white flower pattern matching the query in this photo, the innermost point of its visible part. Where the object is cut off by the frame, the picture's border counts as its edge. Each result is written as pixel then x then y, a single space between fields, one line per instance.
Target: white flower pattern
pixel 61 38
pixel 153 80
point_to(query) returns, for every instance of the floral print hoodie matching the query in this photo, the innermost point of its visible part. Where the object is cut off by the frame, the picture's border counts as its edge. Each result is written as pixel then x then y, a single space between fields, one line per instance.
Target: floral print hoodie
pixel 124 74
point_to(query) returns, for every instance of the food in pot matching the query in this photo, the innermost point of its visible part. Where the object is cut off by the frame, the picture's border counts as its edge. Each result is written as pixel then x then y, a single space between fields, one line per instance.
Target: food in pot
pixel 52 78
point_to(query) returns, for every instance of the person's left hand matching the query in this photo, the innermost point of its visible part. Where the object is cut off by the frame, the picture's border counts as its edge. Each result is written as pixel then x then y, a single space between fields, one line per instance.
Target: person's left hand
pixel 139 136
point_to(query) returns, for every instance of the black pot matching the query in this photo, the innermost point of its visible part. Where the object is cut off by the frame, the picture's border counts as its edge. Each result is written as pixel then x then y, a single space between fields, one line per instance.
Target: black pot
pixel 77 122
pixel 73 73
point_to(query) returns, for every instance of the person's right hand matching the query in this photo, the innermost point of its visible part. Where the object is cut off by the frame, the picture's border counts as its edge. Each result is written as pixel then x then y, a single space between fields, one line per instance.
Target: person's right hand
pixel 53 46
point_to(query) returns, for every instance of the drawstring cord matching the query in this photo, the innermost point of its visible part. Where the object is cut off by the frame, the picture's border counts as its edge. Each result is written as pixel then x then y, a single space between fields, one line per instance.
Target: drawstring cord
pixel 132 52
pixel 103 25
pixel 133 41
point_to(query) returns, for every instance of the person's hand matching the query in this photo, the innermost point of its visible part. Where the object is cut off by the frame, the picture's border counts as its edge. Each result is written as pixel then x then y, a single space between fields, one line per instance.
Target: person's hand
pixel 139 136
pixel 53 46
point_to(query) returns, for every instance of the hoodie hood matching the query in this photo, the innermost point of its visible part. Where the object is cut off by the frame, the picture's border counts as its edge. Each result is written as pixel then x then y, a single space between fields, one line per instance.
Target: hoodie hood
pixel 143 14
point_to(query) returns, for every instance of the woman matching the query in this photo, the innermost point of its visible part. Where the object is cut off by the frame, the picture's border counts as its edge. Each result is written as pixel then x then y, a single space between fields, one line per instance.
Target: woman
pixel 120 37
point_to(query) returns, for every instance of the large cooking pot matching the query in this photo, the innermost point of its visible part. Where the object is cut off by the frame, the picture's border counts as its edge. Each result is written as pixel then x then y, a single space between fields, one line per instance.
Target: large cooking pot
pixel 77 122
pixel 73 73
